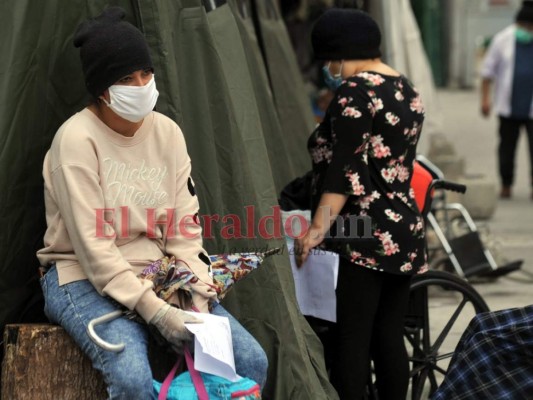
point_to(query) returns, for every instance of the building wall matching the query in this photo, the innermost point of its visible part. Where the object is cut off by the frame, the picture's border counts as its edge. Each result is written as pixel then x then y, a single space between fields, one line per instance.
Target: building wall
pixel 470 22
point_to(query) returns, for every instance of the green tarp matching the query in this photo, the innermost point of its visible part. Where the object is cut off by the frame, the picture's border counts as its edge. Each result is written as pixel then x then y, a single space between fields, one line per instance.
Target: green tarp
pixel 243 145
pixel 290 96
pixel 285 159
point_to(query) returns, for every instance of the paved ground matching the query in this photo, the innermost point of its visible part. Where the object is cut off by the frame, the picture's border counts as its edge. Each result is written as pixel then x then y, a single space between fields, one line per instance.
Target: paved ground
pixel 511 227
pixel 509 232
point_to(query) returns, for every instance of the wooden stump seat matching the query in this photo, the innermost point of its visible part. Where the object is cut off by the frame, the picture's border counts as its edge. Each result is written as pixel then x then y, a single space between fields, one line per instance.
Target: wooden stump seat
pixel 41 361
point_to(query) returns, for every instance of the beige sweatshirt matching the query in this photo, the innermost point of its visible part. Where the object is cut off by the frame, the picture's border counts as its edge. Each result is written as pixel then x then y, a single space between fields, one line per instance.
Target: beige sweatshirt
pixel 104 194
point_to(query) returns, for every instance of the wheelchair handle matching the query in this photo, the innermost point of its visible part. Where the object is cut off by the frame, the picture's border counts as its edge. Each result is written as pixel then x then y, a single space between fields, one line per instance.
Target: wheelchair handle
pixel 454 187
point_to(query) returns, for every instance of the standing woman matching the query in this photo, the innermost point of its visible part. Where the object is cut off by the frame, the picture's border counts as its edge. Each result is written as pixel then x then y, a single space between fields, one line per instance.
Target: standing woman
pixel 117 184
pixel 362 156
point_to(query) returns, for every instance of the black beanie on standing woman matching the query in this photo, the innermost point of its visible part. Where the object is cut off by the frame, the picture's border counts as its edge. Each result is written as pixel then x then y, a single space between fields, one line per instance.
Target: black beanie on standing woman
pixel 346 34
pixel 110 48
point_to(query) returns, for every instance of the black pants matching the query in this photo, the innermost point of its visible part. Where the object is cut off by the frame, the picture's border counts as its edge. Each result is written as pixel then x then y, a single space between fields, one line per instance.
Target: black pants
pixel 509 134
pixel 371 307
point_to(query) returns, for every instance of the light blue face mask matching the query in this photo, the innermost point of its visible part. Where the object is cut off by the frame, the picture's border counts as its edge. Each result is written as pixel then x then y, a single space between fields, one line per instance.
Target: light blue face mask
pixel 332 81
pixel 523 36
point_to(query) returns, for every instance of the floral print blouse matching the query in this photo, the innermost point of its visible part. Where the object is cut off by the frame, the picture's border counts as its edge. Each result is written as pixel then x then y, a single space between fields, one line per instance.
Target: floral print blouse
pixel 365 148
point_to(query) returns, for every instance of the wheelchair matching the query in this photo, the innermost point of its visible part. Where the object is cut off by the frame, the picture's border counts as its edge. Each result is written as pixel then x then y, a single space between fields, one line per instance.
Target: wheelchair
pixel 430 342
pixel 439 295
pixel 435 296
pixel 441 302
pixel 459 248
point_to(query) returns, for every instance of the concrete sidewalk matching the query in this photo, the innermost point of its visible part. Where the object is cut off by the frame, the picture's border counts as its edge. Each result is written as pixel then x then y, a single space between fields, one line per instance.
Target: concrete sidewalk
pixel 510 229
pixel 508 233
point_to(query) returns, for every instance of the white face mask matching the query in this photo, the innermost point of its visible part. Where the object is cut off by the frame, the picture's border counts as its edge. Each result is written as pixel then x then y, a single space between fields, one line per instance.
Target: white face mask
pixel 133 102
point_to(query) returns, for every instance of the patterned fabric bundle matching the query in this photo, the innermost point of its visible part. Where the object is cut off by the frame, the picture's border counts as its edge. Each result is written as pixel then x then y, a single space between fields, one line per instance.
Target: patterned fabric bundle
pixel 494 358
pixel 169 274
pixel 230 268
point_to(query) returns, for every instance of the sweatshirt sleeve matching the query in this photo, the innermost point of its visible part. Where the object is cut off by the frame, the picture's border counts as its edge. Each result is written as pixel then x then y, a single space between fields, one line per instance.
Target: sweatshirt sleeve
pixel 187 243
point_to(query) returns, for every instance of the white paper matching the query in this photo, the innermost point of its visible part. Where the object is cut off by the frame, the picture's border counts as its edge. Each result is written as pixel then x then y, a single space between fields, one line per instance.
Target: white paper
pixel 315 283
pixel 213 347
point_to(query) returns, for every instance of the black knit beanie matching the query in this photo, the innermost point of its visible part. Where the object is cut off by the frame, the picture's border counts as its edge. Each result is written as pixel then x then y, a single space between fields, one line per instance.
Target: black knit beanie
pixel 110 49
pixel 346 34
pixel 525 14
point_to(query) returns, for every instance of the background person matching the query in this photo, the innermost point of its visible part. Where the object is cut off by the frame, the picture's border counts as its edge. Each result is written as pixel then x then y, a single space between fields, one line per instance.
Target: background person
pixel 120 161
pixel 362 156
pixel 509 64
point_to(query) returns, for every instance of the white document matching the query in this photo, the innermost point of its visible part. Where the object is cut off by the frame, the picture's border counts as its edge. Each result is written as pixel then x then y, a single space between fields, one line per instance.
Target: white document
pixel 315 283
pixel 213 347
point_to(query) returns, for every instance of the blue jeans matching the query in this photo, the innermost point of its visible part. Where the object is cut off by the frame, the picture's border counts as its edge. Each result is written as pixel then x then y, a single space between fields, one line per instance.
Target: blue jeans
pixel 250 358
pixel 128 374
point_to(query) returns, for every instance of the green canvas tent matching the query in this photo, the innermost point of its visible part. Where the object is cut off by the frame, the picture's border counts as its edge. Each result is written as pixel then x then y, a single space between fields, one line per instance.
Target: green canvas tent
pixel 213 82
pixel 290 96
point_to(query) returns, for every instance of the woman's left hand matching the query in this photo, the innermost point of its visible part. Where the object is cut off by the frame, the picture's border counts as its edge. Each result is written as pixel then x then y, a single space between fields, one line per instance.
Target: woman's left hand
pixel 303 246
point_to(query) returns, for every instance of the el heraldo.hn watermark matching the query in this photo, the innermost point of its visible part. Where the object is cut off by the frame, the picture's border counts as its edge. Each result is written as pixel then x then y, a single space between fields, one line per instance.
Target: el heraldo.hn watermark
pixel 115 223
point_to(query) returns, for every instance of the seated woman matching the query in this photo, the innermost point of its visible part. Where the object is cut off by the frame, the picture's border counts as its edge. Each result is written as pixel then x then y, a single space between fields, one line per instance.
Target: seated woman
pixel 117 181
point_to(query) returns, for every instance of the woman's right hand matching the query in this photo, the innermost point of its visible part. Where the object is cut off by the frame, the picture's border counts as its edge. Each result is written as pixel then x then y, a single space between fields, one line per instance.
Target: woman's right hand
pixel 303 246
pixel 170 322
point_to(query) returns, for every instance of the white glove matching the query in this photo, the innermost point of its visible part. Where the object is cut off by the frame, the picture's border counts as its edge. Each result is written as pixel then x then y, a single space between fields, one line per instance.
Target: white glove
pixel 170 322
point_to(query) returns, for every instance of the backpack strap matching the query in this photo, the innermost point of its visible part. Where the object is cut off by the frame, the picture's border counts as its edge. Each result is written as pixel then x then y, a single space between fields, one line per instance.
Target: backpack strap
pixel 168 380
pixel 197 380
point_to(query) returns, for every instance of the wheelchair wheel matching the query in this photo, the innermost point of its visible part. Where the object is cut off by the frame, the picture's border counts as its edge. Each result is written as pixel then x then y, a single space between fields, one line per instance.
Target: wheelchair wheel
pixel 440 307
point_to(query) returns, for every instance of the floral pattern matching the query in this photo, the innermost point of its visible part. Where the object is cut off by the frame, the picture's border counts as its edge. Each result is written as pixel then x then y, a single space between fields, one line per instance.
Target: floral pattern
pixel 392 119
pixel 351 112
pixel 365 149
pixel 357 188
pixel 376 104
pixel 379 150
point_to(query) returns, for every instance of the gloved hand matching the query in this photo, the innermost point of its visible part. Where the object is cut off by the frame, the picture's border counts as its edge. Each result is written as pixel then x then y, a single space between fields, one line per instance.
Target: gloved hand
pixel 170 322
